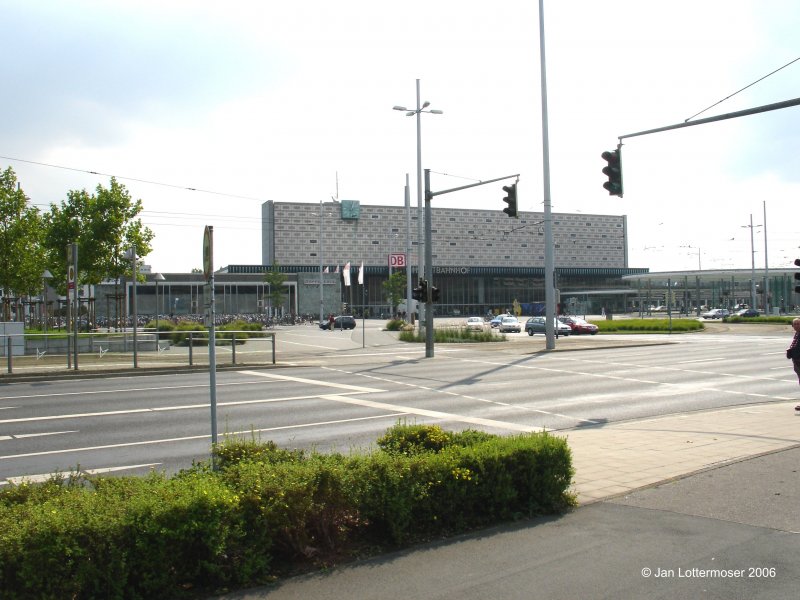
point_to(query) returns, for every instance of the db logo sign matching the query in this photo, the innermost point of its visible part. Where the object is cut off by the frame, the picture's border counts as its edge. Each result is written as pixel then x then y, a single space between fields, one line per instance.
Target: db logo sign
pixel 397 260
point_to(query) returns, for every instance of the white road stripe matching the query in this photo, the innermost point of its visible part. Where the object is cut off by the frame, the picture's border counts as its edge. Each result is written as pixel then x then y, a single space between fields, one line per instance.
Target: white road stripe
pixel 196 437
pixel 18 479
pixel 19 436
pixel 203 406
pixel 339 386
pixel 434 413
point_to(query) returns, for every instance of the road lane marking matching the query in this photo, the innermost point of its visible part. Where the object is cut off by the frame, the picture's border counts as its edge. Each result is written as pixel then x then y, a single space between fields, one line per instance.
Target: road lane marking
pixel 111 413
pixel 192 438
pixel 20 436
pixel 476 399
pixel 434 413
pixel 18 479
pixel 340 386
pixel 111 391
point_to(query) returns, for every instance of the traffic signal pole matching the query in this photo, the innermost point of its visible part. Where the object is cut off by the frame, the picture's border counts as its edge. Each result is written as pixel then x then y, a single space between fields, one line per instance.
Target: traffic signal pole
pixel 733 115
pixel 429 252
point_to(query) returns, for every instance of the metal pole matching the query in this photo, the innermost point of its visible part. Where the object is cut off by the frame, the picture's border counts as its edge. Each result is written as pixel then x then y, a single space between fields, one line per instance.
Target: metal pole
pixel 409 312
pixel 428 268
pixel 549 263
pixel 75 303
pixel 766 263
pixel 321 297
pixel 753 266
pixel 421 256
pixel 135 315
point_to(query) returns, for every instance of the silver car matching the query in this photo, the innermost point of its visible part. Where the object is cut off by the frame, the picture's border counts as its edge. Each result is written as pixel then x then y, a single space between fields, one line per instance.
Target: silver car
pixel 538 325
pixel 509 325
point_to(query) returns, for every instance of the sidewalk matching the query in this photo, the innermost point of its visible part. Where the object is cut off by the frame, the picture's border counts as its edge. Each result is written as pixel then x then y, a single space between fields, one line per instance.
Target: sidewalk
pixel 616 458
pixel 610 546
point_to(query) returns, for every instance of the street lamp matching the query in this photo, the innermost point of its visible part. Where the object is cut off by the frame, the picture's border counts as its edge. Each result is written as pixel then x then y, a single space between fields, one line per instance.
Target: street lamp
pixel 418 111
pixel 158 277
pixel 753 263
pixel 45 276
pixel 321 291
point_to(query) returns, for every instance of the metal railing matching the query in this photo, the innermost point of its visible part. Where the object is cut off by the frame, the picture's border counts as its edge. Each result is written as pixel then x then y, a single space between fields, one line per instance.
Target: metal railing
pixel 35 353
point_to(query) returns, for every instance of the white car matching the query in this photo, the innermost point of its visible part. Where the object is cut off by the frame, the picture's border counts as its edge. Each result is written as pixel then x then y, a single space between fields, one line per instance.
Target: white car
pixel 509 325
pixel 474 323
pixel 716 313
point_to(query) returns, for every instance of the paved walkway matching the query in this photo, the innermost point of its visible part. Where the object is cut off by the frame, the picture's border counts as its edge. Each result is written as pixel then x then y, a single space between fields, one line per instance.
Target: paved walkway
pixel 619 457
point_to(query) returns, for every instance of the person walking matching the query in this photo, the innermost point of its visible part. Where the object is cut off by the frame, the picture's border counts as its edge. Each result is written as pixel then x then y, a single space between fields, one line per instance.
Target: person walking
pixel 331 321
pixel 793 352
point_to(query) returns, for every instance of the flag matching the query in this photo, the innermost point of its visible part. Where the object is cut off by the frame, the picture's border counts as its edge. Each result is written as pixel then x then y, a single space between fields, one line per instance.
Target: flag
pixel 361 274
pixel 346 274
pixel 325 270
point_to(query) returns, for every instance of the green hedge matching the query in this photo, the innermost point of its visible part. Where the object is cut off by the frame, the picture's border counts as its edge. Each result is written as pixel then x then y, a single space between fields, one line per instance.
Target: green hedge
pixel 649 325
pixel 453 335
pixel 266 512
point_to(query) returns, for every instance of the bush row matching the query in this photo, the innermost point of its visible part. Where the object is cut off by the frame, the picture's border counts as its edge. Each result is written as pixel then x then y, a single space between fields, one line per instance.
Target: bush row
pixel 266 512
pixel 180 332
pixel 451 335
pixel 649 325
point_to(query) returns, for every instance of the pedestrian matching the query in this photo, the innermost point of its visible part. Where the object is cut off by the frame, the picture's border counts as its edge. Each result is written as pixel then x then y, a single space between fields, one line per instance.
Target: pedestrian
pixel 793 351
pixel 331 321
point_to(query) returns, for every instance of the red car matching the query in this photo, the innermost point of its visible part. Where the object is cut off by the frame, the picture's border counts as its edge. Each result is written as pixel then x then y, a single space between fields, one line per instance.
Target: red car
pixel 579 325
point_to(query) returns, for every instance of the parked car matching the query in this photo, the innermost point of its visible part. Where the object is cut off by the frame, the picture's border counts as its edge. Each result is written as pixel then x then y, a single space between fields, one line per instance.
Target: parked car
pixel 747 313
pixel 538 325
pixel 341 322
pixel 494 323
pixel 716 313
pixel 579 326
pixel 509 325
pixel 474 323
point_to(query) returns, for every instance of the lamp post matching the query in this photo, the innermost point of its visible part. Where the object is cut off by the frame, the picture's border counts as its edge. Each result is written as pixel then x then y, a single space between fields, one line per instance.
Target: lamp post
pixel 753 263
pixel 321 291
pixel 158 277
pixel 418 111
pixel 45 276
pixel 132 255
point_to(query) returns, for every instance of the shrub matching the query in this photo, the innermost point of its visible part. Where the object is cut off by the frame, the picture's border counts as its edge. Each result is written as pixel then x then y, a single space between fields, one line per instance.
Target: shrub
pixel 267 511
pixel 410 439
pixel 449 335
pixel 649 325
pixel 180 336
pixel 395 325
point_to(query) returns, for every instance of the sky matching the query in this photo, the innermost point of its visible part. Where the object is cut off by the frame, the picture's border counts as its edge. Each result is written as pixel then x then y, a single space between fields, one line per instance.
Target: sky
pixel 204 110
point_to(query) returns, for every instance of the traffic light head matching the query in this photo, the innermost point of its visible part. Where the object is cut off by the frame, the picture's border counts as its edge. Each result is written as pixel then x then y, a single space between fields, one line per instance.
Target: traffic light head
pixel 510 199
pixel 797 277
pixel 434 294
pixel 420 293
pixel 613 170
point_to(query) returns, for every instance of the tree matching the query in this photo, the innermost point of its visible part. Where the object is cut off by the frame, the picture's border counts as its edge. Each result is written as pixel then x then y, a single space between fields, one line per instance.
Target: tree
pixel 21 254
pixel 275 279
pixel 395 288
pixel 104 225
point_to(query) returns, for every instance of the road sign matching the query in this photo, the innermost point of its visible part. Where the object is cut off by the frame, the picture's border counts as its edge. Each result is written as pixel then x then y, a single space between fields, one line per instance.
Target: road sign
pixel 208 251
pixel 397 260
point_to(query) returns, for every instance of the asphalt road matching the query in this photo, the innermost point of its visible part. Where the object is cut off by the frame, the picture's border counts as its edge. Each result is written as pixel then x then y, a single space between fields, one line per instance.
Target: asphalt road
pixel 341 396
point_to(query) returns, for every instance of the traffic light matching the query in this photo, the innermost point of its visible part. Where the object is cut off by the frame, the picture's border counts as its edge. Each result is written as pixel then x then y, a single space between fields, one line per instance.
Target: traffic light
pixel 797 277
pixel 420 293
pixel 614 172
pixel 434 294
pixel 510 199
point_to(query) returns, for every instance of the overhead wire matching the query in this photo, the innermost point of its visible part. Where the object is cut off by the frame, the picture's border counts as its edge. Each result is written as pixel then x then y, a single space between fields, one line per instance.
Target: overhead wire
pixel 741 90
